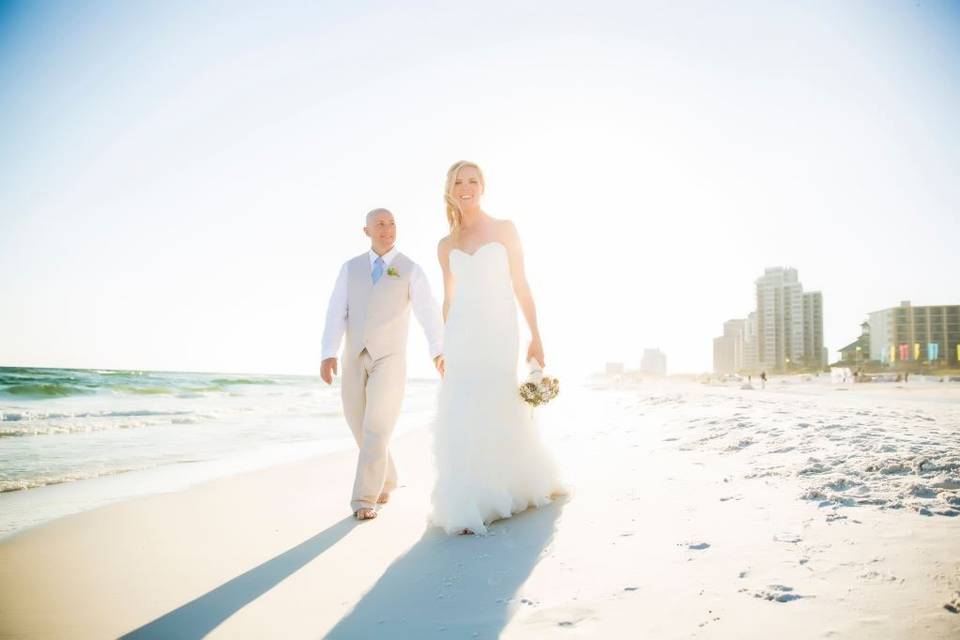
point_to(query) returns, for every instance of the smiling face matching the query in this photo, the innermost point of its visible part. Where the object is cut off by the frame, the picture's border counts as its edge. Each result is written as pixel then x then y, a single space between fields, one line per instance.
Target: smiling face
pixel 468 187
pixel 382 230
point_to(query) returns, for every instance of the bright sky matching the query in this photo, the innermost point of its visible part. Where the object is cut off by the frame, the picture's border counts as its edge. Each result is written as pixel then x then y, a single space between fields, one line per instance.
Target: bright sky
pixel 180 182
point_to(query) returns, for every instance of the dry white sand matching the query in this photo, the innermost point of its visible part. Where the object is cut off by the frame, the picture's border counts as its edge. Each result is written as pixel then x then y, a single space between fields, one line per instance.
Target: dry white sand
pixel 800 511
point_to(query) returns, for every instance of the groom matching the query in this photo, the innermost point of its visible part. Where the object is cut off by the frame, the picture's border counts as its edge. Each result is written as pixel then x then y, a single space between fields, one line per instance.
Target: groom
pixel 371 302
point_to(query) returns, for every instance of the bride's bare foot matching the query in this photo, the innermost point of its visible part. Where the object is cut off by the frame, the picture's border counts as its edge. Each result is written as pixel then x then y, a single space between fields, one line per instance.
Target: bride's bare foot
pixel 384 498
pixel 465 532
pixel 365 514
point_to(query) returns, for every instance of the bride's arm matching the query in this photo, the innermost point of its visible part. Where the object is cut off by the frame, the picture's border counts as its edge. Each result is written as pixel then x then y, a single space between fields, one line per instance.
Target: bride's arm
pixel 443 255
pixel 522 289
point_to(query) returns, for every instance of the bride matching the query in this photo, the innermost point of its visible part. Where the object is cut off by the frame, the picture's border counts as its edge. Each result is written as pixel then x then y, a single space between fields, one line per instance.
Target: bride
pixel 489 457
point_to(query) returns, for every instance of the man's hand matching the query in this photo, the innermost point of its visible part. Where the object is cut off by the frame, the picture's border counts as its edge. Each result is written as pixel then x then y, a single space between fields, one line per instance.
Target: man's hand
pixel 328 369
pixel 440 364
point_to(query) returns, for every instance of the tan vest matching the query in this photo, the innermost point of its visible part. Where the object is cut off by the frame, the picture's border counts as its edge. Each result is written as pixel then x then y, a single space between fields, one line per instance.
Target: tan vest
pixel 378 315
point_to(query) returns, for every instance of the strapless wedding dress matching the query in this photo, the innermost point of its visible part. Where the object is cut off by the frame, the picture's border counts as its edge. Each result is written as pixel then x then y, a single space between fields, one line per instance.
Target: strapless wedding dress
pixel 490 460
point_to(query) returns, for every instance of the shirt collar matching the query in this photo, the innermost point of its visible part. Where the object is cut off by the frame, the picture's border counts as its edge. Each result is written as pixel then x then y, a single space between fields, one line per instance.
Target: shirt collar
pixel 387 257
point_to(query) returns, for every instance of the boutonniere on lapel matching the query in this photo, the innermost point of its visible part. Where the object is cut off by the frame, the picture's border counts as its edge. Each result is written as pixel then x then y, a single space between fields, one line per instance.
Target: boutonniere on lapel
pixel 392 272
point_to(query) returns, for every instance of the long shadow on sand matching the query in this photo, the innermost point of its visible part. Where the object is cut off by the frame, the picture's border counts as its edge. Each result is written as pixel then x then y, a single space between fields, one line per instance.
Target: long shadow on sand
pixel 199 617
pixel 454 586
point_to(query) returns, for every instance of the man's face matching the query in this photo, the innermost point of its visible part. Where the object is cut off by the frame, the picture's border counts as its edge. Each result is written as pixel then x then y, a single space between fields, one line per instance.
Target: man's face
pixel 382 231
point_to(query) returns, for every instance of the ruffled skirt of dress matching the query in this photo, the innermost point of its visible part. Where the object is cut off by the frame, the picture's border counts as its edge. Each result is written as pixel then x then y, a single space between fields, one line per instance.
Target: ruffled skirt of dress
pixel 490 460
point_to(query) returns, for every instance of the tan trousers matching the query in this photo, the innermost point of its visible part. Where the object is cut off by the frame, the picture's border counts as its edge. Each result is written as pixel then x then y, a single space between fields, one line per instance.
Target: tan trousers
pixel 372 393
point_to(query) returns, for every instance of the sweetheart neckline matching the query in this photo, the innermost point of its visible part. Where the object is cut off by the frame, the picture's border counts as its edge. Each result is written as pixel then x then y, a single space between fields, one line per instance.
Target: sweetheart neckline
pixel 478 249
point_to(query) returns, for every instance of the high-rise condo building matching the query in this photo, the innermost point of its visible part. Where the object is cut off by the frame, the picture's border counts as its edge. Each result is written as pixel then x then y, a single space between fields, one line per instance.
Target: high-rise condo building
pixel 813 350
pixel 728 349
pixel 653 362
pixel 780 331
pixel 783 333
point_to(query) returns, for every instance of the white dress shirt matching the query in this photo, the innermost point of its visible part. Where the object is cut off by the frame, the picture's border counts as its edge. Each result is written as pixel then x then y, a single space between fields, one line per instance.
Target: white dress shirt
pixel 424 308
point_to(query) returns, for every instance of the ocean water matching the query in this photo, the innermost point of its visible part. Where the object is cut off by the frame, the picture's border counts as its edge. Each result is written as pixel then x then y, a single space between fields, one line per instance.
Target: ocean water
pixel 73 439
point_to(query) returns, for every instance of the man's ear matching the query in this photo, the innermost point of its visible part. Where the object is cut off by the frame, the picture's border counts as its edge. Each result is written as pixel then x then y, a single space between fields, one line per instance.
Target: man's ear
pixel 366 232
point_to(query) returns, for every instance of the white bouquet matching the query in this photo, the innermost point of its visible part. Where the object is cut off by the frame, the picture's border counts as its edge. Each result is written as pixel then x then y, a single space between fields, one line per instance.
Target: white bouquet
pixel 538 389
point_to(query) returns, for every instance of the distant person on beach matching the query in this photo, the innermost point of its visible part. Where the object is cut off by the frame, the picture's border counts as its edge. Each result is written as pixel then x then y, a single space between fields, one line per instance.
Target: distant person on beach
pixel 371 303
pixel 763 379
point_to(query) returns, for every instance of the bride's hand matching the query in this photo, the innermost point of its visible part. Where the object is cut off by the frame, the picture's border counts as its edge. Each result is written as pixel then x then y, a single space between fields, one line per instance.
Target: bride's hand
pixel 536 351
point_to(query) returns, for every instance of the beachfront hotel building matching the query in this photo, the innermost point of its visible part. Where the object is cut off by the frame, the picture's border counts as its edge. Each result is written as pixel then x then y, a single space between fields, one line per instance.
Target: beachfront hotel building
pixel 653 362
pixel 813 349
pixel 779 319
pixel 789 322
pixel 728 349
pixel 783 333
pixel 918 335
pixel 614 369
pixel 750 342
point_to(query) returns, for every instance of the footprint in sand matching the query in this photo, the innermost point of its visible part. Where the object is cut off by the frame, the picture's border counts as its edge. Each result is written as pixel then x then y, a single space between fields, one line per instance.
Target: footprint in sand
pixel 877 576
pixel 791 538
pixel 695 546
pixel 953 606
pixel 776 593
pixel 565 616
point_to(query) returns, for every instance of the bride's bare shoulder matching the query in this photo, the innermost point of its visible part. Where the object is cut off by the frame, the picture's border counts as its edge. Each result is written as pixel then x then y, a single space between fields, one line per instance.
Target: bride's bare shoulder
pixel 506 231
pixel 444 246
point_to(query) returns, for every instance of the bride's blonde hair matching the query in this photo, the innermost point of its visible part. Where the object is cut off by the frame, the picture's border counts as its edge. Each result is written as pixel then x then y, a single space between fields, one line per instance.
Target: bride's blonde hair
pixel 454 212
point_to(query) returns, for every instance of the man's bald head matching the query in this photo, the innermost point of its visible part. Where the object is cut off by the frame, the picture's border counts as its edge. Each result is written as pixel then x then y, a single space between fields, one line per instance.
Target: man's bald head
pixel 381 229
pixel 373 214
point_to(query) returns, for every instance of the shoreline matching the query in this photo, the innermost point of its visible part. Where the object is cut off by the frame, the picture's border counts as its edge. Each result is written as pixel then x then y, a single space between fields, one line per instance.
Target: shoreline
pixel 95 487
pixel 25 509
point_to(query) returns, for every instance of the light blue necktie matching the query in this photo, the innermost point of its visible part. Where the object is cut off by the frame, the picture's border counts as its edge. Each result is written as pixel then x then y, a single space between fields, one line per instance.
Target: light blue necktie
pixel 377 269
